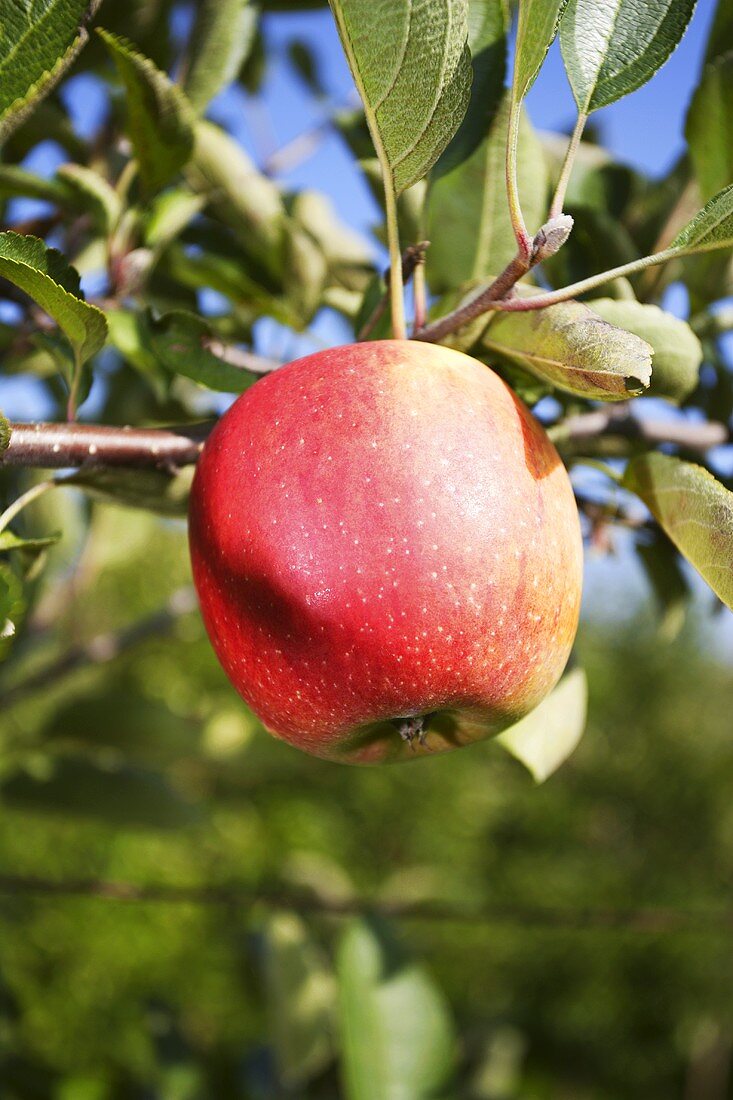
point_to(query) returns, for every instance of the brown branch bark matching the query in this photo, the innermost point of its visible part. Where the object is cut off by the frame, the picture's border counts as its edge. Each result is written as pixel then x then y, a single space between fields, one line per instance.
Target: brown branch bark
pixel 652 920
pixel 500 288
pixel 619 420
pixel 92 446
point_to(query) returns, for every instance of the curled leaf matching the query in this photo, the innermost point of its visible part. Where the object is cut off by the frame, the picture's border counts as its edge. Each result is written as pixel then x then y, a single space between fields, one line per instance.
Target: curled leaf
pixel 574 349
pixel 677 351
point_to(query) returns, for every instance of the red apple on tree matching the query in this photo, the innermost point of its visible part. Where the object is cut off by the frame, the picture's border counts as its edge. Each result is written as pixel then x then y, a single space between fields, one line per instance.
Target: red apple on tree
pixel 387 552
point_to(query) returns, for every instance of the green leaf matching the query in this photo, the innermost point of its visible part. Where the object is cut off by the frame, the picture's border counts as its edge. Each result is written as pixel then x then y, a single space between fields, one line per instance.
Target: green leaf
pixel 301 999
pixel 152 490
pixel 44 275
pixel 396 1033
pixel 12 606
pixel 37 45
pixel 349 258
pixel 306 273
pixel 487 33
pixel 160 120
pixel 93 193
pixel 677 351
pixel 711 228
pixel 611 49
pixel 220 41
pixel 179 340
pixel 168 215
pixel 303 60
pixel 412 67
pixel 662 565
pixel 19 182
pixel 536 29
pixel 720 39
pixel 10 541
pixel 241 196
pixel 5 433
pixel 546 737
pixel 574 349
pixel 693 509
pixel 129 333
pixel 709 128
pixel 118 795
pixel 468 219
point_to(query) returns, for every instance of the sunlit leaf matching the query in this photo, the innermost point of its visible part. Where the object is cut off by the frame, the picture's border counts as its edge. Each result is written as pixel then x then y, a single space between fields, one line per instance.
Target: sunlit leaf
pixel 5 433
pixel 709 128
pixel 469 229
pixel 221 38
pixel 169 213
pixel 536 29
pixel 412 67
pixel 94 194
pixel 487 30
pixel 301 999
pixel 305 273
pixel 179 340
pixel 12 606
pixel 349 257
pixel 37 46
pixel 546 737
pixel 574 349
pixel 19 182
pixel 677 351
pixel 11 541
pixel 396 1033
pixel 240 195
pixel 610 49
pixel 693 509
pixel 44 275
pixel 159 117
pixel 711 228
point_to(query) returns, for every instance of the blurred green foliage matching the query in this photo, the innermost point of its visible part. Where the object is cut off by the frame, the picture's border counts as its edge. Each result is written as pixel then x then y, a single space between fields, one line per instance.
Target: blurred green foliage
pixel 170 998
pixel 586 952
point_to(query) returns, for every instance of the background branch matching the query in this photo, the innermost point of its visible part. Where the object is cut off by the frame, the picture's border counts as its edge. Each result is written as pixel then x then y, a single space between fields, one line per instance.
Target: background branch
pixel 412 258
pixel 652 920
pixel 91 446
pixel 619 420
pixel 102 648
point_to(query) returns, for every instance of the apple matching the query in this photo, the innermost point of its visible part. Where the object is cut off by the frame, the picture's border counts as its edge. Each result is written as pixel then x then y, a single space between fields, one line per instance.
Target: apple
pixel 387 552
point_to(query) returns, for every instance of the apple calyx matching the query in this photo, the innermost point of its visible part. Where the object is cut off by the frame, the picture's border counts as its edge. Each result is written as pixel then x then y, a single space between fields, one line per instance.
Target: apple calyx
pixel 413 726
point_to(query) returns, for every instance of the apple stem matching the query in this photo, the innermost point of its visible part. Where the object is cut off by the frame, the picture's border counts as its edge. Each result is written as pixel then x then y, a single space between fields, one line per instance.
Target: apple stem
pixel 396 291
pixel 412 257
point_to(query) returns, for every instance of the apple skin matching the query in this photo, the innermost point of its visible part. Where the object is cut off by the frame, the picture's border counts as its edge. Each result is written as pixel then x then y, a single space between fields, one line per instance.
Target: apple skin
pixel 380 531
